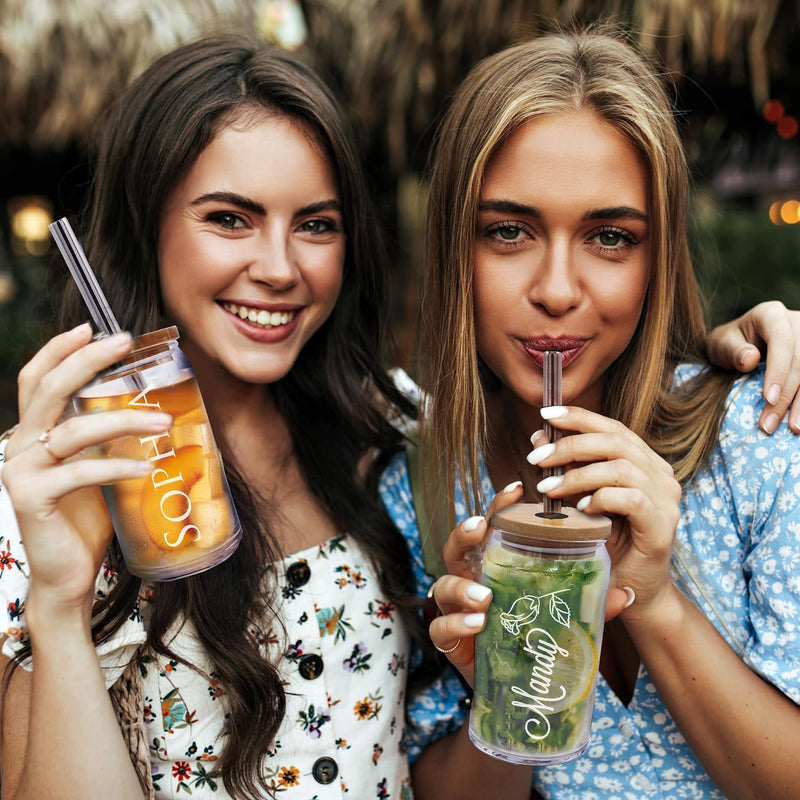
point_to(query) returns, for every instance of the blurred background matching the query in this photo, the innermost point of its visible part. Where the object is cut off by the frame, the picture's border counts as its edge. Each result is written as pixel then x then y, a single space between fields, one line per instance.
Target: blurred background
pixel 734 64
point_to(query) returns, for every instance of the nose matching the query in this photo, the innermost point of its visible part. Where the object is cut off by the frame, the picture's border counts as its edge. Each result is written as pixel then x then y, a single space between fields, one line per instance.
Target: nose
pixel 555 286
pixel 274 263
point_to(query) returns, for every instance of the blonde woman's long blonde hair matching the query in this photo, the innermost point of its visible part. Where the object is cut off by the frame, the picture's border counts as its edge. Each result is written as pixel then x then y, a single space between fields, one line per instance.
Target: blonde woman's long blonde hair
pixel 563 73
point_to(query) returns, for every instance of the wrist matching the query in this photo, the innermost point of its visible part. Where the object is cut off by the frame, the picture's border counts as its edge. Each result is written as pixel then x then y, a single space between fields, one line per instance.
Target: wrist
pixel 654 613
pixel 47 615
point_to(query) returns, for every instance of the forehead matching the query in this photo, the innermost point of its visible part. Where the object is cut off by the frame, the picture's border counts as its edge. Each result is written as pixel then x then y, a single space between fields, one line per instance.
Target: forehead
pixel 573 155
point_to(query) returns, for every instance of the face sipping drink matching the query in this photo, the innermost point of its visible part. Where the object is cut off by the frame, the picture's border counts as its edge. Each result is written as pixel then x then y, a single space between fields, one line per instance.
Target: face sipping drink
pixel 536 659
pixel 179 519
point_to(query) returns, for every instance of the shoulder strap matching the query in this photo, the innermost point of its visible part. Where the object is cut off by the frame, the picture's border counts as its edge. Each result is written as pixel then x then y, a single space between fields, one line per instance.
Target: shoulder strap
pixel 431 522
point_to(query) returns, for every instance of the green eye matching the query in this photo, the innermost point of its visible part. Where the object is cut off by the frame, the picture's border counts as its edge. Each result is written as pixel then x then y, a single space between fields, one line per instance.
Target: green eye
pixel 609 238
pixel 508 232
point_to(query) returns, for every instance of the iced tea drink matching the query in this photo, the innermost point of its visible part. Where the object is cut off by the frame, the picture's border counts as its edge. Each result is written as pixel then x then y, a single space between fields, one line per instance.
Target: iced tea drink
pixel 179 519
pixel 536 659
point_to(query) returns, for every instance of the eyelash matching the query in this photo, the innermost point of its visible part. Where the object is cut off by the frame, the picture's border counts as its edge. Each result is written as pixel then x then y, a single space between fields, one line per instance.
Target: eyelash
pixel 628 240
pixel 221 217
pixel 229 219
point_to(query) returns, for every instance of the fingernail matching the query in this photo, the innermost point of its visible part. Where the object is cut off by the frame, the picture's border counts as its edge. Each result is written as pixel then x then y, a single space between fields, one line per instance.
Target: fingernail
pixel 157 420
pixel 540 453
pixel 548 484
pixel 553 412
pixel 474 620
pixel 472 523
pixel 744 353
pixel 478 592
pixel 536 436
pixel 770 423
pixel 773 394
pixel 82 328
pixel 118 339
pixel 511 486
pixel 583 502
pixel 794 423
pixel 631 596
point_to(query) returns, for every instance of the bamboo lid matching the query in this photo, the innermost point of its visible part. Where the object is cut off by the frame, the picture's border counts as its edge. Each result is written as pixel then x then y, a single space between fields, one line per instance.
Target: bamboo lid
pixel 526 522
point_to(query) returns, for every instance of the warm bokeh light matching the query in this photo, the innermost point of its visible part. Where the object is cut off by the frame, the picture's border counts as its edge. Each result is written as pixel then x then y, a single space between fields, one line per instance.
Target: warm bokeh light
pixel 773 110
pixel 787 127
pixel 8 288
pixel 790 212
pixel 30 217
pixel 775 213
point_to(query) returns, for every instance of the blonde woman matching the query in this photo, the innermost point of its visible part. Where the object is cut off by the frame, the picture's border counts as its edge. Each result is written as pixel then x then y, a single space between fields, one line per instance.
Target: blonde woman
pixel 559 194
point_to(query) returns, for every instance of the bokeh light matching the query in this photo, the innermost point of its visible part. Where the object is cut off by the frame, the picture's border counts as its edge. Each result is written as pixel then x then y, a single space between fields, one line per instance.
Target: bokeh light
pixel 790 212
pixel 773 110
pixel 787 127
pixel 30 217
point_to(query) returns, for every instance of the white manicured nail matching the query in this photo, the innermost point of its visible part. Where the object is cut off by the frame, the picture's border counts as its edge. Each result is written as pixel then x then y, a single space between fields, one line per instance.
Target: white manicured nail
pixel 511 486
pixel 631 596
pixel 535 436
pixel 583 502
pixel 477 592
pixel 548 484
pixel 474 620
pixel 553 412
pixel 540 453
pixel 472 523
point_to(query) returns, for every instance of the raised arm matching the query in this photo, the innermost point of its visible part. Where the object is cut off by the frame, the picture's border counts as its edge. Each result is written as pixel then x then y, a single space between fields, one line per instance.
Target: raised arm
pixel 59 730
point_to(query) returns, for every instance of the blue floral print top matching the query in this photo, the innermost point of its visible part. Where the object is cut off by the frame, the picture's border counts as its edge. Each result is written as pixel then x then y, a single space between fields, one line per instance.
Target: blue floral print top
pixel 342 653
pixel 740 525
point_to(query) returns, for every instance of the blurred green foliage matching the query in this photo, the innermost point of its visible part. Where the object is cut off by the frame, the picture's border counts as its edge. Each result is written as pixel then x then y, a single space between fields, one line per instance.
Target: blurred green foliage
pixel 742 258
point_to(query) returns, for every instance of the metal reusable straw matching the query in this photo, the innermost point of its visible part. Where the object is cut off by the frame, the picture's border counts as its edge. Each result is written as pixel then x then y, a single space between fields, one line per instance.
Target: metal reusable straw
pixel 552 397
pixel 84 277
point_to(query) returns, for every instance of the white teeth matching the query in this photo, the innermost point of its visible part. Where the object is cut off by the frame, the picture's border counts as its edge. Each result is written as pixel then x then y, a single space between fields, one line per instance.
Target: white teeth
pixel 260 317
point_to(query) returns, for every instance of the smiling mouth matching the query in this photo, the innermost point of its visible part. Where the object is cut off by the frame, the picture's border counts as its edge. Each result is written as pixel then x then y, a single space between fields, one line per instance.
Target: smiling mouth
pixel 260 316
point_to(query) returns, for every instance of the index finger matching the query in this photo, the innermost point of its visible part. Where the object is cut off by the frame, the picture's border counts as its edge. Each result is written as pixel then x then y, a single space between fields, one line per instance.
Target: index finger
pixel 47 358
pixel 464 547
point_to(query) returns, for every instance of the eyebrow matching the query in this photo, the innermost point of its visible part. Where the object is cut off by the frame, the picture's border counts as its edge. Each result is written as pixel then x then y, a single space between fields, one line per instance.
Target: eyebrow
pixel 512 207
pixel 257 208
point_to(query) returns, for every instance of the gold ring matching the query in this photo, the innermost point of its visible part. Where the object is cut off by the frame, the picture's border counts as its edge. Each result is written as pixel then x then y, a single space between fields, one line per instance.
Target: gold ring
pixel 449 649
pixel 44 438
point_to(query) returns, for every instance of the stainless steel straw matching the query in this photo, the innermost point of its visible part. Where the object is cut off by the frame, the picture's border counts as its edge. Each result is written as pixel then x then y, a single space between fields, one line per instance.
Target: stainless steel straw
pixel 552 397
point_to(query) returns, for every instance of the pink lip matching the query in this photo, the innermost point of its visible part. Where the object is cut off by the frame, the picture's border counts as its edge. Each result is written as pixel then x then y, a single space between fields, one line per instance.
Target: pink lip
pixel 570 346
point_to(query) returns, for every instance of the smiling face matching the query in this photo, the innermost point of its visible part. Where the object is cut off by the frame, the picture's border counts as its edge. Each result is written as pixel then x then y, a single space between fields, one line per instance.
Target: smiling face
pixel 561 254
pixel 251 249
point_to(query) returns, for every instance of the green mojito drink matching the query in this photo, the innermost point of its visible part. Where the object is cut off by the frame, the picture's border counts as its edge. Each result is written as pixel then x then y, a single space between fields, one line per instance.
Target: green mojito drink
pixel 536 660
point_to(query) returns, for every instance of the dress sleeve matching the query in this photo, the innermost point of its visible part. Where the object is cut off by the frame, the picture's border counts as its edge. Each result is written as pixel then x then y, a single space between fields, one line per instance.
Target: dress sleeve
pixel 439 709
pixel 763 473
pixel 114 654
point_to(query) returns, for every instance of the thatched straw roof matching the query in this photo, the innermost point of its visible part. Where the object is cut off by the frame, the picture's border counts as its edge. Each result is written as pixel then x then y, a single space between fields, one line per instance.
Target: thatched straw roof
pixel 62 61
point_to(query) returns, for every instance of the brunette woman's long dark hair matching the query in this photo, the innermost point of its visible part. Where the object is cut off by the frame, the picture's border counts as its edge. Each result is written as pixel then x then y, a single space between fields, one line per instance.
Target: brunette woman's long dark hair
pixel 335 399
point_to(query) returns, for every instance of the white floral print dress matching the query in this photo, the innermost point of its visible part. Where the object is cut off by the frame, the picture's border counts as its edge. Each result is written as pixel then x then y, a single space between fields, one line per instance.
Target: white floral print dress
pixel 343 657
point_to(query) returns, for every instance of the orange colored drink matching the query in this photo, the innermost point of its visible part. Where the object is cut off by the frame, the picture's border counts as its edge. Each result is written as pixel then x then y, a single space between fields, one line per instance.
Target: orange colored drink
pixel 178 519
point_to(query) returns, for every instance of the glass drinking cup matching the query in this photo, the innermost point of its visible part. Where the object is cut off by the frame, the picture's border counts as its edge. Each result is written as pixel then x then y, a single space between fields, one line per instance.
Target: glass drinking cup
pixel 179 519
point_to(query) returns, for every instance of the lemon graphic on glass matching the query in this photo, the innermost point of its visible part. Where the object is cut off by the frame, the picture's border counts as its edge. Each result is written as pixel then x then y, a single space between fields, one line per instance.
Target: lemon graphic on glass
pixel 536 660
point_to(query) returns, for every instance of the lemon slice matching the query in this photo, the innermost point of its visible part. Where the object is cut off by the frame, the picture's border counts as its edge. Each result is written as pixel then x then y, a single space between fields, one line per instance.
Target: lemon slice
pixel 574 672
